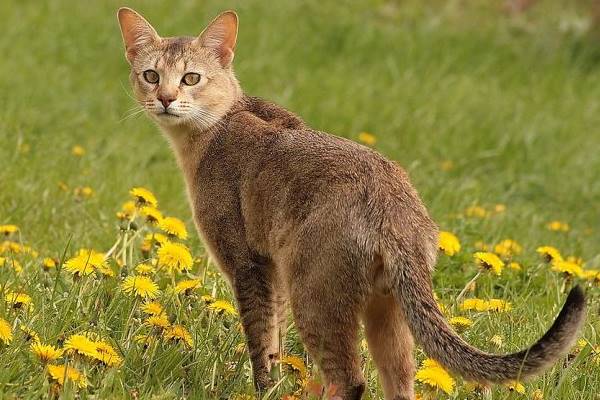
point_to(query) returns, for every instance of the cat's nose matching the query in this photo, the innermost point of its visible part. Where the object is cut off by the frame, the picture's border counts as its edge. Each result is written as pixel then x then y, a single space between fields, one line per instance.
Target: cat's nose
pixel 166 100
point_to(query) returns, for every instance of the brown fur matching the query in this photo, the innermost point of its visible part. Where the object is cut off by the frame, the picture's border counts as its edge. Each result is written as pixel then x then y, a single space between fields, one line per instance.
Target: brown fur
pixel 292 214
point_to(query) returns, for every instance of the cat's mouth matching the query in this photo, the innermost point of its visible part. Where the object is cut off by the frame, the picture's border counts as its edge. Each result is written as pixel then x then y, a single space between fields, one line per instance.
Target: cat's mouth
pixel 167 114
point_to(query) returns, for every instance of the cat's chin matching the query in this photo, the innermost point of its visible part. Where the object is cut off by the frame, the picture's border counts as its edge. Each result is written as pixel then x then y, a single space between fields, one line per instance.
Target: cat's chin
pixel 168 119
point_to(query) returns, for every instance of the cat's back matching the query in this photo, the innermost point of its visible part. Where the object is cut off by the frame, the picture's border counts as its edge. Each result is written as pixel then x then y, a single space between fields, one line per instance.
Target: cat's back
pixel 323 156
pixel 266 139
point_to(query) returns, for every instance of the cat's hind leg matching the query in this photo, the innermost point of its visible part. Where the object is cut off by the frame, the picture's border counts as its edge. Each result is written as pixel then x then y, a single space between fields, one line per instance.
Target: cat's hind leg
pixel 326 312
pixel 391 346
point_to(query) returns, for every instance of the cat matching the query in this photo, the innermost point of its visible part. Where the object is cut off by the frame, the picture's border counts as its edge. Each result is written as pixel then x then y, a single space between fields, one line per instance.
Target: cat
pixel 296 216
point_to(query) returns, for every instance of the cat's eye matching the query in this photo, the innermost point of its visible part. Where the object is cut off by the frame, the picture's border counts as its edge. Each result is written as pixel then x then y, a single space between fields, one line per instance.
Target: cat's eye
pixel 191 78
pixel 151 76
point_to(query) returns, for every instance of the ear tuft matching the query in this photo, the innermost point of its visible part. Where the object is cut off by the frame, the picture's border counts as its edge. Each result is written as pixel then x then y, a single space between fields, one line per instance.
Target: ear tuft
pixel 136 31
pixel 221 35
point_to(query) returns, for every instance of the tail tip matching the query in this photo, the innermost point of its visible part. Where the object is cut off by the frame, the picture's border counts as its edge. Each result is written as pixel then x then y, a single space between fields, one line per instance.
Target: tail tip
pixel 575 299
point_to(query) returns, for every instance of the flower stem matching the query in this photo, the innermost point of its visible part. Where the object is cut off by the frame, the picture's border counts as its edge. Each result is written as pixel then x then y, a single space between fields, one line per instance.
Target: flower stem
pixel 467 286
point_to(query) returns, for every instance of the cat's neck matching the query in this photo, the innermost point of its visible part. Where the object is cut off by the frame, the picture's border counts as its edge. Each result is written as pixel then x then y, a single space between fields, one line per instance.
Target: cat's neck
pixel 190 142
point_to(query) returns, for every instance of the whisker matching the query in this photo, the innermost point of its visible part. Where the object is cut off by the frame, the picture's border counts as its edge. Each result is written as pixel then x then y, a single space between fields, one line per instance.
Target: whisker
pixel 133 113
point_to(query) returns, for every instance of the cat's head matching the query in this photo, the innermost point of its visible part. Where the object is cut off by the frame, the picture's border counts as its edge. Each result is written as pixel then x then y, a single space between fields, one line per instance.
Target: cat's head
pixel 182 81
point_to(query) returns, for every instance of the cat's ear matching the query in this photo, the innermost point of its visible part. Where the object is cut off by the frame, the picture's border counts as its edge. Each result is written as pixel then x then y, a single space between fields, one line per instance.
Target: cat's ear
pixel 221 35
pixel 136 31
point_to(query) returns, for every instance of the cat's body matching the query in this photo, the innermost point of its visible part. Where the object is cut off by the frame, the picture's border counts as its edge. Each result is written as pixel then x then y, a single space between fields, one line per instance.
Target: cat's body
pixel 294 215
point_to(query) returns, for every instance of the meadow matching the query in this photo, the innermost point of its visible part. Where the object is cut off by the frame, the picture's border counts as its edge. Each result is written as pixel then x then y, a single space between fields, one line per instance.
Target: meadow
pixel 106 291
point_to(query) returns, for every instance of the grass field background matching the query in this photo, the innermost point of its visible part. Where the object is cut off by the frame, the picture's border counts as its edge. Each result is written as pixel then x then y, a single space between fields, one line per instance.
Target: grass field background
pixel 482 108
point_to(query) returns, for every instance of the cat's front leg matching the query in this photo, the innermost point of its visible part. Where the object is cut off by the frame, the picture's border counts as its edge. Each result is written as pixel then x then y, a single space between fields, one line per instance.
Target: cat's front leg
pixel 256 297
pixel 251 275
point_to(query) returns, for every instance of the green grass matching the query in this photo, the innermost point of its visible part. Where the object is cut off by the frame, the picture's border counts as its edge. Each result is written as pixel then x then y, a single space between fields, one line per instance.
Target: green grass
pixel 513 102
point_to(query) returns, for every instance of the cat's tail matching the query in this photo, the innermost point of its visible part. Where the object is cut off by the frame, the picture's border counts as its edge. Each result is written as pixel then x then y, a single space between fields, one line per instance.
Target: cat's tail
pixel 440 342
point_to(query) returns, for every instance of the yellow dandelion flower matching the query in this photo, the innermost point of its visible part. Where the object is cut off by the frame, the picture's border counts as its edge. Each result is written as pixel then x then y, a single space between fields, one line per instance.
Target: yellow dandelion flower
pixel 296 363
pixel 78 151
pixel 178 333
pixel 569 269
pixel 160 321
pixel 8 229
pixel 145 247
pixel 537 394
pixel 549 253
pixel 497 340
pixel 558 226
pixel 174 256
pixel 434 375
pixel 449 243
pixel 6 334
pixel 45 352
pixel 592 275
pixel 127 210
pixel 222 306
pixel 48 263
pixel 187 286
pixel 156 238
pixel 581 344
pixel 18 299
pixel 10 247
pixel 461 323
pixel 30 334
pixel 143 196
pixel 85 262
pixel 489 262
pixel 485 305
pixel 140 285
pixel 80 344
pixel 11 263
pixel 474 304
pixel 367 138
pixel 498 305
pixel 30 251
pixel 151 214
pixel 589 273
pixel 207 298
pixel 60 372
pixel 508 248
pixel 515 266
pixel 107 355
pixel 515 387
pixel 83 192
pixel 152 308
pixel 152 239
pixel 499 208
pixel 174 227
pixel 596 354
pixel 476 212
pixel 145 269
